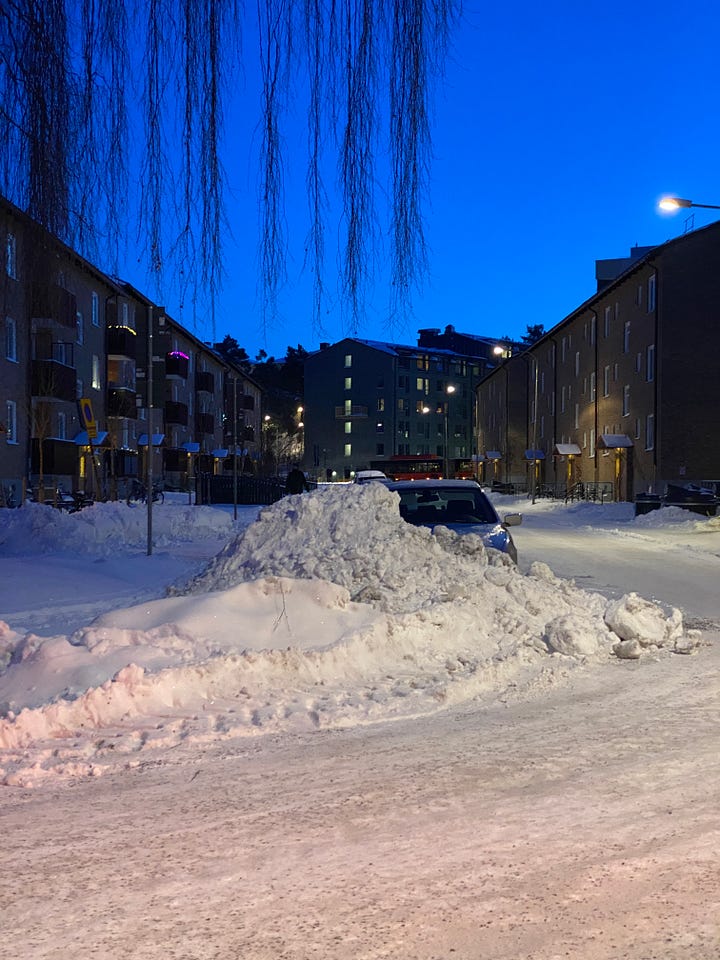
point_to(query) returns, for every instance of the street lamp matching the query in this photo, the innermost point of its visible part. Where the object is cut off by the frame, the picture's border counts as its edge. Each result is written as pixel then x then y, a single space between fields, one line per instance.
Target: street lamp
pixel 449 390
pixel 672 204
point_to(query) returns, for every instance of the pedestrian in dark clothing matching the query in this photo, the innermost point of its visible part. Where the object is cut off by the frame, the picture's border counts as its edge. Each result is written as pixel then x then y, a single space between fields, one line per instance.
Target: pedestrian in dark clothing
pixel 296 482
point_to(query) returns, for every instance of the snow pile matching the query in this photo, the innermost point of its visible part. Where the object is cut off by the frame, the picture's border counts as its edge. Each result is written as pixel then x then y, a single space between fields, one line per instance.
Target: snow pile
pixel 104 528
pixel 327 612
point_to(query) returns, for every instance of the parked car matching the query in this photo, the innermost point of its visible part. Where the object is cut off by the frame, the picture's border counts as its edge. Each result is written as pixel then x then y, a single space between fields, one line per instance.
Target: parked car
pixel 366 476
pixel 460 505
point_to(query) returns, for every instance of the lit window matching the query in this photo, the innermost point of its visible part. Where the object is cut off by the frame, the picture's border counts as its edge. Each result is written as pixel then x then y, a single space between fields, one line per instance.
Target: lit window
pixel 348 359
pixel 95 372
pixel 381 404
pixel 10 339
pixel 591 452
pixel 348 408
pixel 348 383
pixel 348 426
pixel 348 449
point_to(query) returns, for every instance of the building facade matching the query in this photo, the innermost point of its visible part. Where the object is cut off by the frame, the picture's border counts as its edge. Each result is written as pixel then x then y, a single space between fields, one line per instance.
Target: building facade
pixel 622 395
pixel 367 401
pixel 78 344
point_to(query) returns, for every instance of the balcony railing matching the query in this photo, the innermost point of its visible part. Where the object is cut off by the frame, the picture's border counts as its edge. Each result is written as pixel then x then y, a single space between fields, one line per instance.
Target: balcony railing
pixel 176 413
pixel 204 423
pixel 204 381
pixel 355 412
pixel 53 381
pixel 122 342
pixel 176 365
pixel 51 302
pixel 122 403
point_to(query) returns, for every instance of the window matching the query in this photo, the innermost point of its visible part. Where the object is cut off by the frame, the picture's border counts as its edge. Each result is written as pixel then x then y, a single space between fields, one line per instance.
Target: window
pixel 563 349
pixel 606 381
pixel 11 421
pixel 348 449
pixel 348 426
pixel 650 432
pixel 95 310
pixel 79 387
pixel 348 359
pixel 125 314
pixel 11 256
pixel 80 323
pixel 381 404
pixel 638 362
pixel 348 408
pixel 626 400
pixel 650 363
pixel 626 337
pixel 562 400
pixel 95 372
pixel 380 427
pixel 380 449
pixel 637 428
pixel 577 415
pixel 423 385
pixel 606 322
pixel 348 383
pixel 651 296
pixel 10 339
pixel 592 386
pixel 591 452
pixel 639 295
pixel 593 330
pixel 62 426
pixel 577 363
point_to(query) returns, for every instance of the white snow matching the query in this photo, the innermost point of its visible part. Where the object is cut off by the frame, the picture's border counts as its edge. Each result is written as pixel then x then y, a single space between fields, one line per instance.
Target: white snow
pixel 290 639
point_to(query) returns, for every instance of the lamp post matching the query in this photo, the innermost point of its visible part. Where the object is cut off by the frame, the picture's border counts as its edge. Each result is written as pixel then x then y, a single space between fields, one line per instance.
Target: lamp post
pixel 672 204
pixel 449 391
pixel 235 474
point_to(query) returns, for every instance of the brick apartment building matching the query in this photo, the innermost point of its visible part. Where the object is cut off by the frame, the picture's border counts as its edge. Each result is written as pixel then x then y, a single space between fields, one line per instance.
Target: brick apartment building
pixel 623 394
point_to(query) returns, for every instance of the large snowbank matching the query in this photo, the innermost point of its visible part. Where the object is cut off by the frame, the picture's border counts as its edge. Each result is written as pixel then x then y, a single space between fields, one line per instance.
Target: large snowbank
pixel 329 611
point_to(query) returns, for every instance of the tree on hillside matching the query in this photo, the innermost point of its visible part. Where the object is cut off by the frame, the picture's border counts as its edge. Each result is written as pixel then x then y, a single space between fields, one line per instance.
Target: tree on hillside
pixel 534 332
pixel 97 96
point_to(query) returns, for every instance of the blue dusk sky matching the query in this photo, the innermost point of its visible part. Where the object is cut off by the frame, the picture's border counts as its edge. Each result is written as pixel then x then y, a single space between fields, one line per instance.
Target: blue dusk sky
pixel 557 129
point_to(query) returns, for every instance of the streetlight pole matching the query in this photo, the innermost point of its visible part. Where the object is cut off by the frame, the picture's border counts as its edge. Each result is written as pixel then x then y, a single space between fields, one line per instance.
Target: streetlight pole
pixel 235 485
pixel 449 390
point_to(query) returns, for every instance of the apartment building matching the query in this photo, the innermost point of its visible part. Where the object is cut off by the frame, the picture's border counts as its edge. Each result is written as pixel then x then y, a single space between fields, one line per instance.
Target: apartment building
pixel 623 393
pixel 367 401
pixel 72 333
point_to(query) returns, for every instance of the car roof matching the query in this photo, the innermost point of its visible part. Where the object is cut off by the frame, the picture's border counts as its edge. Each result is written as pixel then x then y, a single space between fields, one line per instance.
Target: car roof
pixel 434 484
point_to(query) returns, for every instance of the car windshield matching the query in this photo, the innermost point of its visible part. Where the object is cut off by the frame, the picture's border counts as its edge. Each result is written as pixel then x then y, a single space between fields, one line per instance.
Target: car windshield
pixel 438 505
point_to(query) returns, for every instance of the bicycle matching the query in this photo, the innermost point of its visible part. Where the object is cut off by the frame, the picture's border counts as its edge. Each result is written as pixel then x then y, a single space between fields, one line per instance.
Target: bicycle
pixel 138 492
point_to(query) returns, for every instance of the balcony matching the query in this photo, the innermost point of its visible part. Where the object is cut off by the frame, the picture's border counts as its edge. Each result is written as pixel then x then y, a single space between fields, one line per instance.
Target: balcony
pixel 176 366
pixel 176 413
pixel 53 381
pixel 356 412
pixel 204 381
pixel 121 403
pixel 122 342
pixel 51 302
pixel 204 423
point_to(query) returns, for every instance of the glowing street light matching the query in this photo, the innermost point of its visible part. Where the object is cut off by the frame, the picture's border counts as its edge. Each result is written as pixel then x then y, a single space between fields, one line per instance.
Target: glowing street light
pixel 449 390
pixel 672 204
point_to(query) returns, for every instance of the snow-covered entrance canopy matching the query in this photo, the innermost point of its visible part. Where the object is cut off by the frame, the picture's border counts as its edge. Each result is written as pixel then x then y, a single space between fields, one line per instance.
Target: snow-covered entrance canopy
pixel 534 455
pixel 614 441
pixel 567 450
pixel 493 455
